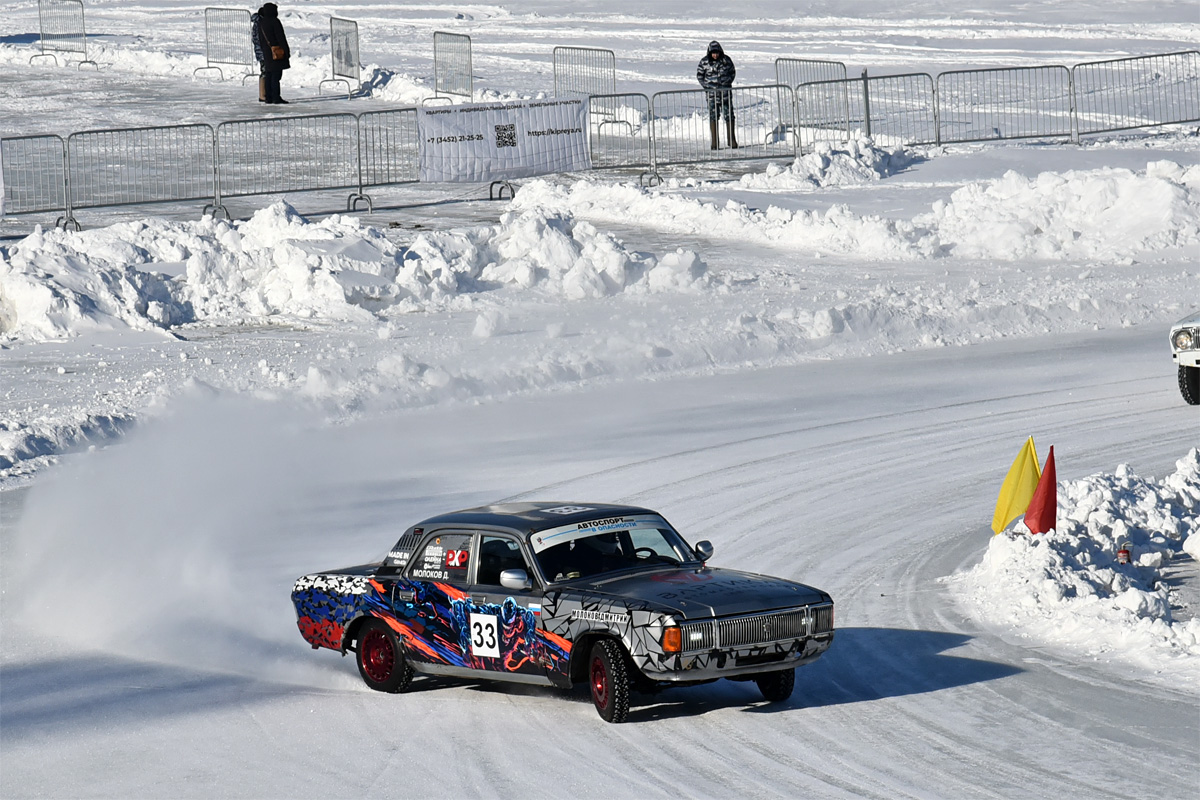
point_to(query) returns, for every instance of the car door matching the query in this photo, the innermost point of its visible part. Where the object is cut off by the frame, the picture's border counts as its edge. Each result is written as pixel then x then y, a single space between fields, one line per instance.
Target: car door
pixel 432 603
pixel 505 624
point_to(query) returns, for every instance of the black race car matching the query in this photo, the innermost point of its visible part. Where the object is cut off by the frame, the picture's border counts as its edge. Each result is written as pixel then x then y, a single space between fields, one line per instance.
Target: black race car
pixel 558 594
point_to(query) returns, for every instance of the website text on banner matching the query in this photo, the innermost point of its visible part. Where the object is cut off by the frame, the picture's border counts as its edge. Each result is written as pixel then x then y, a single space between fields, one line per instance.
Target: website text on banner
pixel 480 142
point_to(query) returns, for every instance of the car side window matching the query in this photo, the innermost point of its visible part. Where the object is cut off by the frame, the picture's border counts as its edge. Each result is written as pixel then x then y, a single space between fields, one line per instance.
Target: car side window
pixel 444 557
pixel 496 554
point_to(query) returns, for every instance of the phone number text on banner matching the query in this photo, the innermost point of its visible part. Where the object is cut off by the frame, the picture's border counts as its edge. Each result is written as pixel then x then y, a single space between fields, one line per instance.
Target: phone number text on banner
pixel 480 142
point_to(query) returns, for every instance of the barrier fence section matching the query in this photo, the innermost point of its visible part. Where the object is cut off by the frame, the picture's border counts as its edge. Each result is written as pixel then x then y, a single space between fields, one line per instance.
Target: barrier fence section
pixel 1140 92
pixel 794 71
pixel 134 166
pixel 35 174
pixel 287 154
pixel 584 71
pixel 62 29
pixel 1005 103
pixel 227 40
pixel 452 69
pixel 388 143
pixel 900 109
pixel 619 131
pixel 759 118
pixel 344 55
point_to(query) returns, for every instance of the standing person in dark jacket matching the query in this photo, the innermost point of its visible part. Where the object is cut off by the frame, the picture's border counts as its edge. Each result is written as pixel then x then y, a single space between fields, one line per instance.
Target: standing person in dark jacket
pixel 272 51
pixel 716 73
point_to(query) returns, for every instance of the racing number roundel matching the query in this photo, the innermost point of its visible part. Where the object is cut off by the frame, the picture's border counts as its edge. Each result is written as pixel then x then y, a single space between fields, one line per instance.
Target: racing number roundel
pixel 485 636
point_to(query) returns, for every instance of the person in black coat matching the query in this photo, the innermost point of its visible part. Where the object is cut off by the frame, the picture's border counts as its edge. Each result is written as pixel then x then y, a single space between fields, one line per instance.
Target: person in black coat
pixel 716 72
pixel 272 51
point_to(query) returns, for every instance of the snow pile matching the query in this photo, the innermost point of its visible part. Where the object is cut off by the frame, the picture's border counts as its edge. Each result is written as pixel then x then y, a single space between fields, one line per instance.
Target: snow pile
pixel 1068 587
pixel 154 273
pixel 859 162
pixel 1106 214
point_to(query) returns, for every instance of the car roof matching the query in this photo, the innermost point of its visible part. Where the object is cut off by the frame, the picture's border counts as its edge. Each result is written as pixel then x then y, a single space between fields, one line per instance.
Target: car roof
pixel 531 517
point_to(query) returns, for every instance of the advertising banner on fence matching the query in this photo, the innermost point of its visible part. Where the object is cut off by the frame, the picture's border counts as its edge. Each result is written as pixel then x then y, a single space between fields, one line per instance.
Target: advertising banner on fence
pixel 481 142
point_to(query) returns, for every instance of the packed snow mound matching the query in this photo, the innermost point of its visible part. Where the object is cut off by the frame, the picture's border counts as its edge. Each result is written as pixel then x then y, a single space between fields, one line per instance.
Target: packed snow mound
pixel 1105 215
pixel 1068 586
pixel 855 162
pixel 157 274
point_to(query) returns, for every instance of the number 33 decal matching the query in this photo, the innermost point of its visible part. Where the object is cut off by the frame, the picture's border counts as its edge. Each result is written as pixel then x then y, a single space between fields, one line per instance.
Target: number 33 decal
pixel 485 641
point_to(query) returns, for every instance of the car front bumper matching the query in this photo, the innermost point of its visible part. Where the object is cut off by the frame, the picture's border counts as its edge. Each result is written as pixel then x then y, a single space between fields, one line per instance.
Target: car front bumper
pixel 742 661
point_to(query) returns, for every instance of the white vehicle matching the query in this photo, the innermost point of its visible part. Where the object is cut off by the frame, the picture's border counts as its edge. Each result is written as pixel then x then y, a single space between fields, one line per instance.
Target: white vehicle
pixel 1185 349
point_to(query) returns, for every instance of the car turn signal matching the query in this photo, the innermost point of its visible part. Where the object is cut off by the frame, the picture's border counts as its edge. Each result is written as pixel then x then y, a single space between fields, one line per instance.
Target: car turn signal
pixel 672 640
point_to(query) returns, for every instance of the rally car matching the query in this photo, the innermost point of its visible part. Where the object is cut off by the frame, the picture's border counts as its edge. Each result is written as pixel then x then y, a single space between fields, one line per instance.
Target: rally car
pixel 563 594
pixel 1185 349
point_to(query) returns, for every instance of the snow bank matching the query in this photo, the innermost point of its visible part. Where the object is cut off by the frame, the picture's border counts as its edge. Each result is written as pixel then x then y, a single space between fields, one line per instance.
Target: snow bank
pixel 157 274
pixel 1106 215
pixel 1068 588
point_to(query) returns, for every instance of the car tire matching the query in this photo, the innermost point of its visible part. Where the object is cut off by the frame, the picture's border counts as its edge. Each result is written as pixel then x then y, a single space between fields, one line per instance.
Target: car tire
pixel 381 661
pixel 1189 384
pixel 776 686
pixel 608 679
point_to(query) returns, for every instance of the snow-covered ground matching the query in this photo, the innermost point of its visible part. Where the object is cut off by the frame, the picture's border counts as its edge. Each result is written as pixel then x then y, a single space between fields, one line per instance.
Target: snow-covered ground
pixel 825 367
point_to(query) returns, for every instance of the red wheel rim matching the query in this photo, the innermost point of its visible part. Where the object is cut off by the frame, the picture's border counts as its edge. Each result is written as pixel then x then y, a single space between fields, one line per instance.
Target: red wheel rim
pixel 378 655
pixel 599 683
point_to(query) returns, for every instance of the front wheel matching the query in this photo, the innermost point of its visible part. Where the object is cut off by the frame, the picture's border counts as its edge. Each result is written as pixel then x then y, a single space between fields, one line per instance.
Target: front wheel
pixel 381 660
pixel 1189 384
pixel 777 686
pixel 609 681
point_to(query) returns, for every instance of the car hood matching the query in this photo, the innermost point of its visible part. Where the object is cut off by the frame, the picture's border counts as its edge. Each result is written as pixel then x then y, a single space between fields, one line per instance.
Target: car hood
pixel 700 593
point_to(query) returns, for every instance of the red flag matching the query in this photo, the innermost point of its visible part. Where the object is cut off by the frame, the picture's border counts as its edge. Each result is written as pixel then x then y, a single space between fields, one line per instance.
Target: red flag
pixel 1042 514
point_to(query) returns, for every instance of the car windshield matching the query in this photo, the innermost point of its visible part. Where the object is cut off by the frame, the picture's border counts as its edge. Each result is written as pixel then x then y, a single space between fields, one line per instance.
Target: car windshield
pixel 588 553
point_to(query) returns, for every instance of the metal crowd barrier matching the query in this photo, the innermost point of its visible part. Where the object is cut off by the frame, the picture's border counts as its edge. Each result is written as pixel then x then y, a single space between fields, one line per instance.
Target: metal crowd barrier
pixel 92 169
pixel 900 109
pixel 794 71
pixel 35 174
pixel 1005 103
pixel 388 149
pixel 452 68
pixel 135 166
pixel 287 154
pixel 761 118
pixel 619 131
pixel 227 41
pixel 344 55
pixel 584 72
pixel 62 30
pixel 1141 92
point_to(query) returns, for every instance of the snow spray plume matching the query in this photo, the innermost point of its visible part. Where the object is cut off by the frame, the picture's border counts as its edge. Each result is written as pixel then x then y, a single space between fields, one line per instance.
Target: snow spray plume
pixel 182 543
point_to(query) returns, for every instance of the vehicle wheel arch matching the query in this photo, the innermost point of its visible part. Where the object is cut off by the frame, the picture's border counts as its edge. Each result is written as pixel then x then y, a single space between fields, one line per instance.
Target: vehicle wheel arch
pixel 581 653
pixel 350 632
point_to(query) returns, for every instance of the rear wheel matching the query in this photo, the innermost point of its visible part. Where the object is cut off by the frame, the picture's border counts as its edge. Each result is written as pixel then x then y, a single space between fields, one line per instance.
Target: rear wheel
pixel 777 686
pixel 1189 384
pixel 609 681
pixel 381 660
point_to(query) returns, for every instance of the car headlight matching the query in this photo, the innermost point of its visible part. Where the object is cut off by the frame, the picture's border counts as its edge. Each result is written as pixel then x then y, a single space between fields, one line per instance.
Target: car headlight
pixel 1184 339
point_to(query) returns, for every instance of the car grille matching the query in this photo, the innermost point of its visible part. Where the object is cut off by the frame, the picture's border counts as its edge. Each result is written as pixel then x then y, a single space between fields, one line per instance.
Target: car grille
pixel 757 629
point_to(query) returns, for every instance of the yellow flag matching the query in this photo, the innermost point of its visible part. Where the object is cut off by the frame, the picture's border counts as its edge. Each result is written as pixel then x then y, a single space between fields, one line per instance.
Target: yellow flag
pixel 1017 491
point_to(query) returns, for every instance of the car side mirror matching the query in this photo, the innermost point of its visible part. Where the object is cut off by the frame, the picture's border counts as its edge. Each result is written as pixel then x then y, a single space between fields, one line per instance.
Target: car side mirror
pixel 516 579
pixel 704 550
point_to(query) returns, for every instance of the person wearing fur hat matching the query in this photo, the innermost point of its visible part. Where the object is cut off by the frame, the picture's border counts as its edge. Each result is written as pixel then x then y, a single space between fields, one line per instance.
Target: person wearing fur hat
pixel 716 73
pixel 272 51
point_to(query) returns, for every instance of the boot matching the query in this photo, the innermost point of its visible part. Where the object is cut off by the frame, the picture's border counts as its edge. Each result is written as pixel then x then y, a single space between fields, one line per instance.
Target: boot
pixel 712 127
pixel 729 130
pixel 262 89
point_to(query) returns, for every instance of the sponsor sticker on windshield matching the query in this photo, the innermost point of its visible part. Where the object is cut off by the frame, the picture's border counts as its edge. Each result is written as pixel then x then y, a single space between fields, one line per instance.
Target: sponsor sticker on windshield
pixel 566 533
